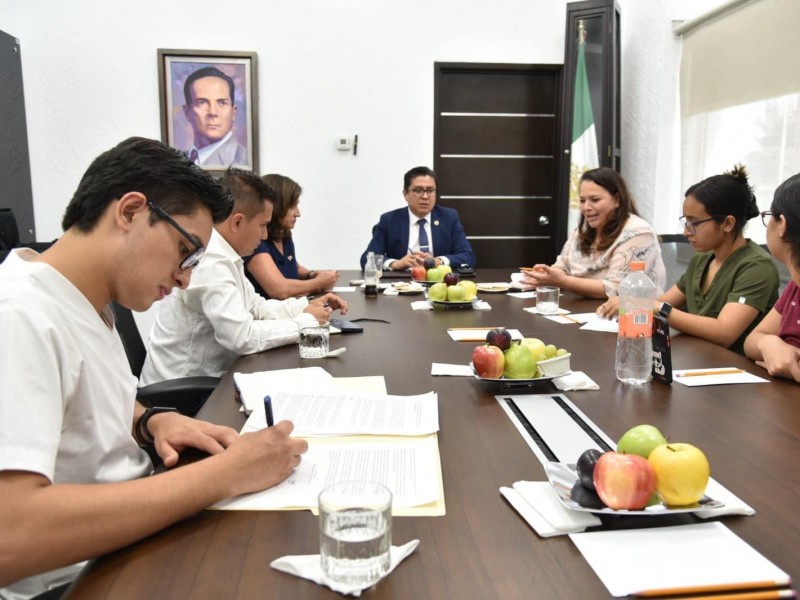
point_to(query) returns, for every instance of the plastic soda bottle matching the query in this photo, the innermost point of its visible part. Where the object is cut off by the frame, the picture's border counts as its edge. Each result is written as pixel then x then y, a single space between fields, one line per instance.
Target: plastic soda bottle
pixel 637 294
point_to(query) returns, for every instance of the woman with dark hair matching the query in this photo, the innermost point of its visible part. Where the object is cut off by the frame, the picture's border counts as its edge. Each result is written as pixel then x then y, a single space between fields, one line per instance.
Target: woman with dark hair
pixel 730 283
pixel 609 235
pixel 273 269
pixel 775 343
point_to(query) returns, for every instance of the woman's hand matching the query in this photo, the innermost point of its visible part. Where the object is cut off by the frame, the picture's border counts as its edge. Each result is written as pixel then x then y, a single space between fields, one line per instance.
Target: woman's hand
pixel 610 308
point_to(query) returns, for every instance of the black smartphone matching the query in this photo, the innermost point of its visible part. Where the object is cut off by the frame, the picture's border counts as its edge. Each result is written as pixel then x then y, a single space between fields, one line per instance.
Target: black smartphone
pixel 465 270
pixel 662 357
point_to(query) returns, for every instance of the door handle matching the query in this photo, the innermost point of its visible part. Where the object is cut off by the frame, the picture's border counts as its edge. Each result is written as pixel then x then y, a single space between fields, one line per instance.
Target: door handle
pixel 543 220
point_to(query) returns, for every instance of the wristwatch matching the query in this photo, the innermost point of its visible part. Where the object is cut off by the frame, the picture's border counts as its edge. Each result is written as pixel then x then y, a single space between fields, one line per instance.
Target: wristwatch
pixel 665 309
pixel 141 432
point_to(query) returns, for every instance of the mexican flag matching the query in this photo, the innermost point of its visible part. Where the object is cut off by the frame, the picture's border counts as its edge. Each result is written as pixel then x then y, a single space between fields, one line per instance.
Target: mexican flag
pixel 584 139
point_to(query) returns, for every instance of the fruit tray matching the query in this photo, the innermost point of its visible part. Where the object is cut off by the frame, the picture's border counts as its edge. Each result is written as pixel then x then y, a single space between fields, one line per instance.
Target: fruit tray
pixel 562 477
pixel 513 382
pixel 447 305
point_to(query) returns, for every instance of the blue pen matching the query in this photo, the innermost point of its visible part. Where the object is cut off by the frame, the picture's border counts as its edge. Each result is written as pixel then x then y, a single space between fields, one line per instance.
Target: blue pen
pixel 268 411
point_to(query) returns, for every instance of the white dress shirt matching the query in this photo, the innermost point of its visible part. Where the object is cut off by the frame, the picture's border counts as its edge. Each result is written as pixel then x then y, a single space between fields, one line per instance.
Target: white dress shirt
pixel 203 329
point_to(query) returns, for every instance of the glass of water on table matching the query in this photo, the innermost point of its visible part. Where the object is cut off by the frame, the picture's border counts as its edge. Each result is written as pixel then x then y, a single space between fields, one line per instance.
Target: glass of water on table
pixel 355 531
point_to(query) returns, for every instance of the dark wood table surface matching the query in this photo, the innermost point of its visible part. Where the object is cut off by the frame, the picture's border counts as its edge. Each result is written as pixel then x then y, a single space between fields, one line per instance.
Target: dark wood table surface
pixel 481 548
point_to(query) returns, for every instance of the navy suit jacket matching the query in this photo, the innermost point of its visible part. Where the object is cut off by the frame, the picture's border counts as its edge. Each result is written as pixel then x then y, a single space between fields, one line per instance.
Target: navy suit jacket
pixel 390 236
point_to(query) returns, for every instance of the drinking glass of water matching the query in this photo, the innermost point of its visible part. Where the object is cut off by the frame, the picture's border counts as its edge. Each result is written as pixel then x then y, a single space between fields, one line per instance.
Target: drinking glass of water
pixel 355 531
pixel 314 340
pixel 547 300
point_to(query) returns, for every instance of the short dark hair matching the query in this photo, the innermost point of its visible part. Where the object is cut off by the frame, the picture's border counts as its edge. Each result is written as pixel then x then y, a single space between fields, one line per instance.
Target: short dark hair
pixel 163 174
pixel 786 204
pixel 417 172
pixel 287 194
pixel 727 194
pixel 248 190
pixel 611 181
pixel 206 72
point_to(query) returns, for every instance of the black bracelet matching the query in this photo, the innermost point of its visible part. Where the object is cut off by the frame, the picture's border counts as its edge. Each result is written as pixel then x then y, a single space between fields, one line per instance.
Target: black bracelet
pixel 141 433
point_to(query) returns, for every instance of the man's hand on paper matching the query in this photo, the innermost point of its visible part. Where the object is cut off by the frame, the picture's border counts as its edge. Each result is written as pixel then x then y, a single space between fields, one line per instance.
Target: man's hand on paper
pixel 264 458
pixel 174 432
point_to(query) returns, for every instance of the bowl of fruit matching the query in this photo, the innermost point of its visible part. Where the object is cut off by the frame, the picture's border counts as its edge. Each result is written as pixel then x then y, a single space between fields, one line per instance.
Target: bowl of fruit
pixel 518 361
pixel 646 475
pixel 451 292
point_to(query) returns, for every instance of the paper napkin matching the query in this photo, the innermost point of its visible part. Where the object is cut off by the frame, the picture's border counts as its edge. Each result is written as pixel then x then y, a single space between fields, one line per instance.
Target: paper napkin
pixel 308 567
pixel 451 370
pixel 575 381
pixel 421 305
pixel 538 504
pixel 733 504
pixel 482 305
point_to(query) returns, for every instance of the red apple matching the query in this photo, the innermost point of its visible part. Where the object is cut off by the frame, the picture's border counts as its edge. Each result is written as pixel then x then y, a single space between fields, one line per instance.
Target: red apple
pixel 488 361
pixel 418 273
pixel 624 481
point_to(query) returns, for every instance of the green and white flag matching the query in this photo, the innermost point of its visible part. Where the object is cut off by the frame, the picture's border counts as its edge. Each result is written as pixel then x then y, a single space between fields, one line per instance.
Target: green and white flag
pixel 583 154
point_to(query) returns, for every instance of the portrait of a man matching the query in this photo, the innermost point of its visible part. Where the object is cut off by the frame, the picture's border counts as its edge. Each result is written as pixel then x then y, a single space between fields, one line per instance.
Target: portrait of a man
pixel 208 108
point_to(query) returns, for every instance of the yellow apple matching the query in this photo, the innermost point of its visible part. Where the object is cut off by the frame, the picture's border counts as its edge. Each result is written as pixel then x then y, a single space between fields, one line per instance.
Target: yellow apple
pixel 445 269
pixel 537 348
pixel 682 473
pixel 470 288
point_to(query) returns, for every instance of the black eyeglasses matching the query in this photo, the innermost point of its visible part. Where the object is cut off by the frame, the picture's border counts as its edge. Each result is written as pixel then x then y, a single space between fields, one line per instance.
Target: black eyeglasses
pixel 764 214
pixel 420 192
pixel 190 262
pixel 691 226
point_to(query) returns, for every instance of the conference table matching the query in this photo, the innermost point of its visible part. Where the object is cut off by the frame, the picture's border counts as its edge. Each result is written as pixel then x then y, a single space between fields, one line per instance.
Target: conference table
pixel 481 548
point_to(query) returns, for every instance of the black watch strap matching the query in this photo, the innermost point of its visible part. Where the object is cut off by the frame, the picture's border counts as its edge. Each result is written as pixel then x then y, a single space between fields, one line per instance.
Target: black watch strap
pixel 141 431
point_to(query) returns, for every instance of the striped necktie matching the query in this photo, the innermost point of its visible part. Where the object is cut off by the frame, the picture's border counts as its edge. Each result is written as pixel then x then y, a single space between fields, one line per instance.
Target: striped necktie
pixel 424 246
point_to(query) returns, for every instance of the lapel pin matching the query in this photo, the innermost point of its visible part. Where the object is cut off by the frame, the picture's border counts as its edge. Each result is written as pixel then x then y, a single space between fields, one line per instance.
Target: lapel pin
pixel 436 222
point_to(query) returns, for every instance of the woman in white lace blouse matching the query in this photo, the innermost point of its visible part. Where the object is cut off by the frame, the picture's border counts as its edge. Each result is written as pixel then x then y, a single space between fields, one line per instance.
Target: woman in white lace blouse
pixel 610 234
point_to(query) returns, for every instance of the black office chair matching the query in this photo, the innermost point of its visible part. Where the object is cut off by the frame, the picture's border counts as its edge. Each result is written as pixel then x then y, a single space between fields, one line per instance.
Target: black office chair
pixel 783 271
pixel 187 394
pixel 676 253
pixel 9 235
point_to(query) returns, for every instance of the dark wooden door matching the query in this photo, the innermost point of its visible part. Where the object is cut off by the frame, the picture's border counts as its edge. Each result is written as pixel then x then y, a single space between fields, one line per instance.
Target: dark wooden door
pixel 496 130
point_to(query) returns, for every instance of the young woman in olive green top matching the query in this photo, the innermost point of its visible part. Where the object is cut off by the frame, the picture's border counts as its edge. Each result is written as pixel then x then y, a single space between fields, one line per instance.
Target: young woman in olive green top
pixel 731 283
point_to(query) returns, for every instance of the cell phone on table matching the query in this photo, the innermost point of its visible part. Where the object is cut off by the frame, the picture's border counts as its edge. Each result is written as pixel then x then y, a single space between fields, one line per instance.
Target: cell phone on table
pixel 662 354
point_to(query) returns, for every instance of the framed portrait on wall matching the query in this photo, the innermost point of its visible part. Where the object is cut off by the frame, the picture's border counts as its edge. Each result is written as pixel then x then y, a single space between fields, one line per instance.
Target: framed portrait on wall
pixel 209 106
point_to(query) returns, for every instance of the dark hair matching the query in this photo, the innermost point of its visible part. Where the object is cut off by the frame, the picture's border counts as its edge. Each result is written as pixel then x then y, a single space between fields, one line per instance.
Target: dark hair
pixel 249 191
pixel 205 72
pixel 614 184
pixel 786 204
pixel 727 194
pixel 163 174
pixel 417 172
pixel 287 192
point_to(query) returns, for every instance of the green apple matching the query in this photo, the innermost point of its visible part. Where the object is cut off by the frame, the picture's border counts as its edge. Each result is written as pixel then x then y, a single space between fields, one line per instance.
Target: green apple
pixel 536 346
pixel 435 274
pixel 438 292
pixel 640 440
pixel 682 473
pixel 519 363
pixel 470 288
pixel 550 350
pixel 455 293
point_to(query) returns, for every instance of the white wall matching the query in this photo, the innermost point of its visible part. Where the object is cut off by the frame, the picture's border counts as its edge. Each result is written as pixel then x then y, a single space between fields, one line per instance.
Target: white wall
pixel 326 69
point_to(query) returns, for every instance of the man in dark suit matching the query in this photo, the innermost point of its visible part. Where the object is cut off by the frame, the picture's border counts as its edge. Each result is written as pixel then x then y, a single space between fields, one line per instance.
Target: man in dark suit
pixel 407 236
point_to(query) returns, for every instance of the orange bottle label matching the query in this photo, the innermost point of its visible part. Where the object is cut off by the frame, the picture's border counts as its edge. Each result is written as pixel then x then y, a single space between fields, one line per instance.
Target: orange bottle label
pixel 636 324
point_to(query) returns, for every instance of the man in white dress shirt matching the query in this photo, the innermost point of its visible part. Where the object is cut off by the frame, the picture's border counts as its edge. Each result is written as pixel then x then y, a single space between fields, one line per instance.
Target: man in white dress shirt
pixel 74 477
pixel 203 329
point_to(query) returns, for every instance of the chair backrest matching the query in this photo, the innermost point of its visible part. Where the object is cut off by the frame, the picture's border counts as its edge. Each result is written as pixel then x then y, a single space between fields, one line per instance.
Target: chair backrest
pixel 676 253
pixel 783 271
pixel 131 338
pixel 9 234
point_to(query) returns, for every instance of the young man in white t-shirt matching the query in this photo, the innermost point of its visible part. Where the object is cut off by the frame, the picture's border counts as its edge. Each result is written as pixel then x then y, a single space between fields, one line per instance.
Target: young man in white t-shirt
pixel 73 474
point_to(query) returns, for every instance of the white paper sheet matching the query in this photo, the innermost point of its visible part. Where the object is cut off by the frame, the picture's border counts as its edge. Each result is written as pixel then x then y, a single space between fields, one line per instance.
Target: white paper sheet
pixel 594 322
pixel 523 295
pixel 344 289
pixel 342 413
pixel 716 376
pixel 408 467
pixel 478 334
pixel 451 370
pixel 252 387
pixel 663 558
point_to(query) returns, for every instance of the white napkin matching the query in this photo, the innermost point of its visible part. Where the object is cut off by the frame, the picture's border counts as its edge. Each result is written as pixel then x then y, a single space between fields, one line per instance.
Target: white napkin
pixel 451 370
pixel 575 381
pixel 524 295
pixel 537 503
pixel 308 566
pixel 482 305
pixel 421 305
pixel 391 291
pixel 733 504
